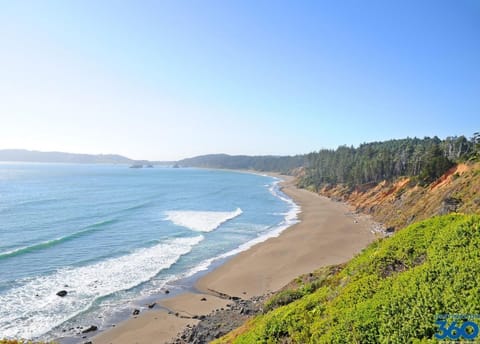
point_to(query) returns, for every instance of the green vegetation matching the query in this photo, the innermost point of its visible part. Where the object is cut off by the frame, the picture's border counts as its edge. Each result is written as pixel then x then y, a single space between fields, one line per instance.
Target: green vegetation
pixel 301 287
pixel 425 159
pixel 389 293
pixel 282 164
pixel 476 146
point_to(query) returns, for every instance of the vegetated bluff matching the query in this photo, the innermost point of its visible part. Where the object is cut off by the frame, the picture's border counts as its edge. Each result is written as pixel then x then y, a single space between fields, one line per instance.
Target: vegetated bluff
pixel 392 292
pixel 425 159
pixel 399 182
pixel 422 159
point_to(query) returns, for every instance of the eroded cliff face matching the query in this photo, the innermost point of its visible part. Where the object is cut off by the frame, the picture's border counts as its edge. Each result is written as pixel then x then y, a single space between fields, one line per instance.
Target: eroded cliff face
pixel 397 204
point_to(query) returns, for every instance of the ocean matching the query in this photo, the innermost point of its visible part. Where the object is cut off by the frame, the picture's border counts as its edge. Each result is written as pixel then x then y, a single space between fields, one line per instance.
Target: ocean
pixel 114 237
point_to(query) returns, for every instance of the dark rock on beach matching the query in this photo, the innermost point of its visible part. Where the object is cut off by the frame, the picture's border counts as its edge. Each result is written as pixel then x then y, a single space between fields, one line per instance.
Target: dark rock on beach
pixel 62 293
pixel 136 312
pixel 222 321
pixel 90 329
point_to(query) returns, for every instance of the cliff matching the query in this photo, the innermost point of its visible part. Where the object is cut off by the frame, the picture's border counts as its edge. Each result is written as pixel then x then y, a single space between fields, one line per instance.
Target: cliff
pixel 402 202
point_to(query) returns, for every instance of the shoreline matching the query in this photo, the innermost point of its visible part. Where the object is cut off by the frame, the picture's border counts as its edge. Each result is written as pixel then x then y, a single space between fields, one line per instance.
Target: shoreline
pixel 325 234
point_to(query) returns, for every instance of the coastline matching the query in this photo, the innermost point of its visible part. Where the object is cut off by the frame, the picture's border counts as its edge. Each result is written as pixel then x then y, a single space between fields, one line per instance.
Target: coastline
pixel 325 234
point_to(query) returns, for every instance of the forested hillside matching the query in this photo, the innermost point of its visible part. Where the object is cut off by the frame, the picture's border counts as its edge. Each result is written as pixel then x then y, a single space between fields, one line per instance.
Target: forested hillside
pixel 400 182
pixel 282 164
pixel 424 159
pixel 394 290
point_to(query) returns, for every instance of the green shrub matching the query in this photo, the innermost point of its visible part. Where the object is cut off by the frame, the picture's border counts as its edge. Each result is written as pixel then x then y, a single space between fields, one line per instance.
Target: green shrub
pixel 282 298
pixel 390 293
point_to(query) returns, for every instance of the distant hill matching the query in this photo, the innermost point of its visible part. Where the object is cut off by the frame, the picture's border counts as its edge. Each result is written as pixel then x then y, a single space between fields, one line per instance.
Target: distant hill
pixel 285 164
pixel 22 155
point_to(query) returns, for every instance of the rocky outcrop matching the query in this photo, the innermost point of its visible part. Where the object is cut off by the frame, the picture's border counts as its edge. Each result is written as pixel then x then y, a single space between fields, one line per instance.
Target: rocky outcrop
pixel 221 321
pixel 449 205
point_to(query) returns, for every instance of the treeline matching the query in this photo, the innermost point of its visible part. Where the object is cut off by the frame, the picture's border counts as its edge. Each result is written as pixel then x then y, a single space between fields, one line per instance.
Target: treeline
pixel 282 164
pixel 424 159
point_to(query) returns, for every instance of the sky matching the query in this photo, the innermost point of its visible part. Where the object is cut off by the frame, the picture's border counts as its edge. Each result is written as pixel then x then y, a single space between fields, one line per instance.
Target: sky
pixel 165 80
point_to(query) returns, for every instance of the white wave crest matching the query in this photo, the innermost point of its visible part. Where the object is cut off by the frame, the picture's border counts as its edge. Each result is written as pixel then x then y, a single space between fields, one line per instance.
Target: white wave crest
pixel 201 221
pixel 290 218
pixel 32 309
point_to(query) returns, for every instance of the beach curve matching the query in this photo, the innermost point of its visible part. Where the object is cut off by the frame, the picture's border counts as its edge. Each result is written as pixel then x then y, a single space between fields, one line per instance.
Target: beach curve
pixel 326 234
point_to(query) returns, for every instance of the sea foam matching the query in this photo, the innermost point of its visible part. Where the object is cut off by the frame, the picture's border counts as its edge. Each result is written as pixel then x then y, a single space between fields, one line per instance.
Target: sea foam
pixel 201 221
pixel 33 308
pixel 290 218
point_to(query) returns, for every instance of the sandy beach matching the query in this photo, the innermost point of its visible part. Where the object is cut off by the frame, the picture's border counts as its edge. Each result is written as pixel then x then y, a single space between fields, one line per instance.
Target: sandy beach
pixel 327 233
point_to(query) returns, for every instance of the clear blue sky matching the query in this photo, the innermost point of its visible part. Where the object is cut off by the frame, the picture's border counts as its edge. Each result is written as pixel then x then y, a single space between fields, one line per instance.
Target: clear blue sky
pixel 173 79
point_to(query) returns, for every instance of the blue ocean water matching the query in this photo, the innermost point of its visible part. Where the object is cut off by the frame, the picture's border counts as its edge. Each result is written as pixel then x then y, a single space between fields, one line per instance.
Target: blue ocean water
pixel 110 235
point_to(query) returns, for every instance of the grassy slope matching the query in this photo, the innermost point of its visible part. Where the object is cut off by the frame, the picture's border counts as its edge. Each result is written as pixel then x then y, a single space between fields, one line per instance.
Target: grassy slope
pixel 390 293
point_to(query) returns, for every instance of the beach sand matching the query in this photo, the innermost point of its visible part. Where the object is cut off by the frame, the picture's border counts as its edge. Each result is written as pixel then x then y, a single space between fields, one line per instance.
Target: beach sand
pixel 328 233
pixel 191 304
pixel 151 327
